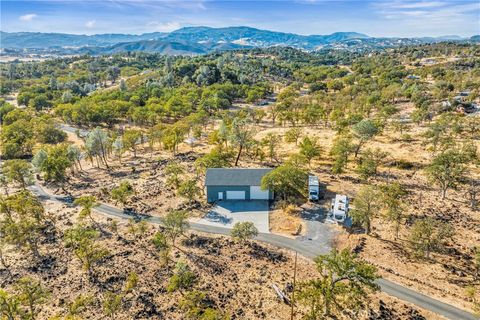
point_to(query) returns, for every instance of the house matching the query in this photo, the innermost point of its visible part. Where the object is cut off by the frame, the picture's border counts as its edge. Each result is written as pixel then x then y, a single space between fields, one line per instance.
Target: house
pixel 236 184
pixel 413 77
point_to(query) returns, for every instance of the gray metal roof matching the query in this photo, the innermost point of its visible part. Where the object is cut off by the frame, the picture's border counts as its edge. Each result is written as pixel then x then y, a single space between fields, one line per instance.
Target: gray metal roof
pixel 235 176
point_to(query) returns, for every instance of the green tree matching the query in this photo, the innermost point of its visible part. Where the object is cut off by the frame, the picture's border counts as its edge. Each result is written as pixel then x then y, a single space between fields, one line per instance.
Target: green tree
pixel 38 159
pixel 137 228
pixel 364 131
pixel 113 72
pixel 97 143
pixel 74 154
pixel 369 162
pixel 343 284
pixel 131 282
pixel 19 171
pixel 243 231
pixel 83 242
pixel 441 134
pixel 297 160
pixel 112 304
pixel 254 95
pixel 341 149
pixel 428 235
pixel 189 190
pixel 287 181
pixel 160 242
pixel 447 170
pixel 310 149
pixel 79 305
pixel 258 115
pixel 392 196
pixel 122 193
pixel 272 141
pixel 56 163
pixel 183 278
pixel 46 131
pixel 241 136
pixel 9 306
pixel 118 148
pixel 366 206
pixel 39 102
pixel 22 221
pixel 122 86
pixel 173 135
pixel 196 307
pixel 175 224
pixel 217 158
pixel 173 171
pixel 131 138
pixel 87 203
pixel 31 294
pixel 17 139
pixel 292 135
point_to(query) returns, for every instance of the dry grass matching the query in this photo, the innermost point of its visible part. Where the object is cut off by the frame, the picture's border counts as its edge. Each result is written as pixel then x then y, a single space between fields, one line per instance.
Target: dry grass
pixel 236 278
pixel 445 277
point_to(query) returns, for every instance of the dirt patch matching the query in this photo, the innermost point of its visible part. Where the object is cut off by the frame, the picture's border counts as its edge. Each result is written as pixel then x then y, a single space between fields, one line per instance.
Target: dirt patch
pixel 286 224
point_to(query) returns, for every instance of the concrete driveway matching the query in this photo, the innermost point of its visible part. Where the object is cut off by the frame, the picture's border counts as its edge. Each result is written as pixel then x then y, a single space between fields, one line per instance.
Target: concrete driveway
pixel 226 213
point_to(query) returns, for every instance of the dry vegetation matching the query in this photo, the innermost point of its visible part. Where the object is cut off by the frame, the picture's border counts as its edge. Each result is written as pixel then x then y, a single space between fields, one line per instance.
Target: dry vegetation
pixel 236 278
pixel 444 276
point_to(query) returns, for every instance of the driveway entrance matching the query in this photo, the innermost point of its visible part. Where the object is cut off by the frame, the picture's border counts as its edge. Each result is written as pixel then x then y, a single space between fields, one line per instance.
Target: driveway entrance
pixel 228 212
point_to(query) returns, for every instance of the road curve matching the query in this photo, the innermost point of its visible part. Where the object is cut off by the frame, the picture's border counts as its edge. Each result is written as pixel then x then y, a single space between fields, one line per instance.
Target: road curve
pixel 307 249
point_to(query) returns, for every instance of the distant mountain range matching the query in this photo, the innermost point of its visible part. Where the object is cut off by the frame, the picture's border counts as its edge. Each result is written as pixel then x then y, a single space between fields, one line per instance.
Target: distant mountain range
pixel 198 40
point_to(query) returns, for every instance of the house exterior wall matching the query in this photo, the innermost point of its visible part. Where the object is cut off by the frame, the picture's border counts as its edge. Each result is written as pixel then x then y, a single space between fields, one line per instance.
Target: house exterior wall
pixel 212 192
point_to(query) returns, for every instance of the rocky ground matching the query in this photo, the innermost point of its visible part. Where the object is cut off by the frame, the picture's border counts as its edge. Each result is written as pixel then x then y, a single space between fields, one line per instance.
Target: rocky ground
pixel 236 278
pixel 445 276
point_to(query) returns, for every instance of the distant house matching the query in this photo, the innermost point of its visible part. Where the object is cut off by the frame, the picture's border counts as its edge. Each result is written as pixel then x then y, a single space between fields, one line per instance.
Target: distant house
pixel 461 96
pixel 236 184
pixel 413 77
pixel 430 61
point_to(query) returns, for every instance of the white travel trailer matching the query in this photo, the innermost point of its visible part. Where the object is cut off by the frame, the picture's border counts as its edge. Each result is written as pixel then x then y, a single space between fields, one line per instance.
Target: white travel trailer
pixel 339 208
pixel 313 188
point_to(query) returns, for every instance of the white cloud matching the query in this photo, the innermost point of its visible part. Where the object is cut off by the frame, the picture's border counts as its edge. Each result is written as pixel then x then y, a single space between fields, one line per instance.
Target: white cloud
pixel 159 4
pixel 428 11
pixel 90 24
pixel 417 5
pixel 164 26
pixel 28 17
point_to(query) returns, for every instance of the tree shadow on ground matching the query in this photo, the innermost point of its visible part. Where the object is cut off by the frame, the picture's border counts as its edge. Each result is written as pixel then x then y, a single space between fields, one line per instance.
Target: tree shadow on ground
pixel 260 252
pixel 217 217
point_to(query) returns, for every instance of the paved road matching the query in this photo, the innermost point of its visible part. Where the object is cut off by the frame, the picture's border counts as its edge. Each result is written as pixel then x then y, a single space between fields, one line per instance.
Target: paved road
pixel 305 247
pixel 68 128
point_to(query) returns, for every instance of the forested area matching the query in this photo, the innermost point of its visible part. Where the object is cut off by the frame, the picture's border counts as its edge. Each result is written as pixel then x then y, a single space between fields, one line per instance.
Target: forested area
pixel 397 130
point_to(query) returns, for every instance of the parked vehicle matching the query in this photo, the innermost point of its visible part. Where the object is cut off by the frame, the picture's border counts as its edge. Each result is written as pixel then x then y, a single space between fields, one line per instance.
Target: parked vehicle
pixel 339 208
pixel 313 188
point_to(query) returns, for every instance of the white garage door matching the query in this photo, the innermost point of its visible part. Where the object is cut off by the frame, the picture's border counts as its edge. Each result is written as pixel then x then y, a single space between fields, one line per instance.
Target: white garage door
pixel 235 195
pixel 256 193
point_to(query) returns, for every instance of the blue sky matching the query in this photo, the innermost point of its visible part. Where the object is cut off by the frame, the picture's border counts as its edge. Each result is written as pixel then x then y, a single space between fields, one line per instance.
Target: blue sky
pixel 375 18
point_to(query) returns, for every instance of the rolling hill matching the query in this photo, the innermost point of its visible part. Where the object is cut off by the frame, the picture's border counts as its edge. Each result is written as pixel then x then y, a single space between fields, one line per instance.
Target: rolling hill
pixel 199 40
